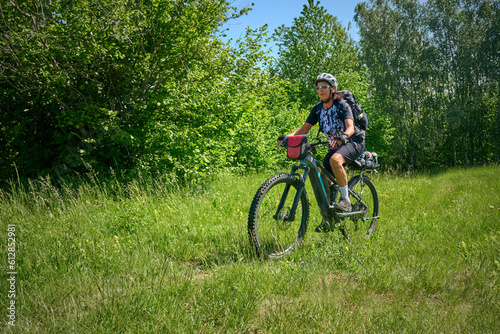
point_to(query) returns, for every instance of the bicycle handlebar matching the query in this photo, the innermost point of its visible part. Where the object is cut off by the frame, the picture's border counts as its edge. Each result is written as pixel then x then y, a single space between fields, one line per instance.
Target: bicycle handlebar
pixel 319 142
pixel 312 144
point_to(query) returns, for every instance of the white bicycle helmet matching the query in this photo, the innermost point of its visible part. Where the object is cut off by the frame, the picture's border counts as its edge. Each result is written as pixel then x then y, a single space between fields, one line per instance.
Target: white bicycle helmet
pixel 326 77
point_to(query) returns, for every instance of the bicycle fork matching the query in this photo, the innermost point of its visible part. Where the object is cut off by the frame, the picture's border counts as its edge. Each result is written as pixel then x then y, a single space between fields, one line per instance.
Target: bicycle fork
pixel 319 190
pixel 291 215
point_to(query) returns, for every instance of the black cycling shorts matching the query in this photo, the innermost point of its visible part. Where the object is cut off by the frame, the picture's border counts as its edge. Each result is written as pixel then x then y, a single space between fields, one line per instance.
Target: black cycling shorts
pixel 350 151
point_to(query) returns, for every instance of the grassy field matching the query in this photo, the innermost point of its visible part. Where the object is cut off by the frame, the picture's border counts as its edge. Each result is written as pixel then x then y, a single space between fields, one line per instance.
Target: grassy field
pixel 101 257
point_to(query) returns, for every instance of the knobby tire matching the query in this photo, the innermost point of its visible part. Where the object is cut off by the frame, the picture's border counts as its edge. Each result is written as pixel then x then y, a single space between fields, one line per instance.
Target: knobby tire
pixel 364 224
pixel 272 233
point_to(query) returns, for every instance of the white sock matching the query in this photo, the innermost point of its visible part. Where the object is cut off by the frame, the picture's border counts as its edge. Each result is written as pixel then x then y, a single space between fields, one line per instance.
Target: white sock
pixel 344 192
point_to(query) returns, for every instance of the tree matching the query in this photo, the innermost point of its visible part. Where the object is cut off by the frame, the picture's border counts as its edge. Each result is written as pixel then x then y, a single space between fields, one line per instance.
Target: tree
pixel 393 47
pixel 134 86
pixel 428 66
pixel 459 31
pixel 316 43
pixel 78 78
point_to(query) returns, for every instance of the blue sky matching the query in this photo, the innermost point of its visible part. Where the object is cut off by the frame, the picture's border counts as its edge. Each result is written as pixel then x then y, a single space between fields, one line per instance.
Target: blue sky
pixel 278 12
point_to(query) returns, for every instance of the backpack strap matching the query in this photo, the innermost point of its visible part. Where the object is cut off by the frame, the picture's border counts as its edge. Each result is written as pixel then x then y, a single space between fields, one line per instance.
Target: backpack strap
pixel 360 117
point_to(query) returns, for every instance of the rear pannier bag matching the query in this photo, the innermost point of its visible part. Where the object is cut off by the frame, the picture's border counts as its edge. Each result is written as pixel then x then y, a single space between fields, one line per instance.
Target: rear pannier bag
pixel 296 147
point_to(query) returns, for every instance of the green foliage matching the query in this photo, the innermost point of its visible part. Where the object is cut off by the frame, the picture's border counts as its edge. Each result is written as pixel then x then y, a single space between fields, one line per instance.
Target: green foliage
pixel 316 43
pixel 434 71
pixel 130 87
pixel 227 118
pixel 135 86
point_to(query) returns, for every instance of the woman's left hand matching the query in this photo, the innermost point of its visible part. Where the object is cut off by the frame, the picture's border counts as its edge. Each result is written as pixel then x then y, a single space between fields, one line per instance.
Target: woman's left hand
pixel 339 140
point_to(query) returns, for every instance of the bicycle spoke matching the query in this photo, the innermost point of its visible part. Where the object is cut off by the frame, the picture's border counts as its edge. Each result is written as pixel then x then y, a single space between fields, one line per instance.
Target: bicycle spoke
pixel 272 227
pixel 363 218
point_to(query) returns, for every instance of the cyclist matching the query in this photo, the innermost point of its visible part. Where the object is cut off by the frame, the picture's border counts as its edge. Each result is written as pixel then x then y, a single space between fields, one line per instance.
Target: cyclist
pixel 347 140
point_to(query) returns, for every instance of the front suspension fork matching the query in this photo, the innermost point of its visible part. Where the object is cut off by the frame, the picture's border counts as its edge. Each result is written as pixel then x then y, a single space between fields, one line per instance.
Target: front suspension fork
pixel 296 200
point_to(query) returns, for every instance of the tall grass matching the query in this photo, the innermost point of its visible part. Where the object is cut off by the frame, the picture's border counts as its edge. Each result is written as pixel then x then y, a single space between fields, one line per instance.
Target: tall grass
pixel 103 257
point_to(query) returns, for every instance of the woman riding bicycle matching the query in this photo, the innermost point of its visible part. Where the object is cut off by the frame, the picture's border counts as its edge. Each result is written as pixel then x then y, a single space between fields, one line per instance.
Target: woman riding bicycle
pixel 347 140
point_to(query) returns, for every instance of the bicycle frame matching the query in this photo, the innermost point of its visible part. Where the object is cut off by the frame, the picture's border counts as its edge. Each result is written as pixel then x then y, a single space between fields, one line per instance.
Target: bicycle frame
pixel 309 164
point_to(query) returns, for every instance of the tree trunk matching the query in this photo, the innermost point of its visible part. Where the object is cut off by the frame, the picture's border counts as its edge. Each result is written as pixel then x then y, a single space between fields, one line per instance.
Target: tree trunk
pixel 466 153
pixel 454 154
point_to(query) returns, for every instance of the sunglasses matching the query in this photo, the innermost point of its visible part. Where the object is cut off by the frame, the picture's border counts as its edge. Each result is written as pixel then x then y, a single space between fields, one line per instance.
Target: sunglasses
pixel 322 87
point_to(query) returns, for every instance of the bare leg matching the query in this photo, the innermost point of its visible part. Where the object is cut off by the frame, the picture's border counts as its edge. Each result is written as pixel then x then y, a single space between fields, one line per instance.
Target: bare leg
pixel 336 162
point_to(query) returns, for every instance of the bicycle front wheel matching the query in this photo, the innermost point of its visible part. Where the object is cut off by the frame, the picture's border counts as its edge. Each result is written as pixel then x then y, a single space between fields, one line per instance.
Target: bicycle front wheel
pixel 272 230
pixel 364 198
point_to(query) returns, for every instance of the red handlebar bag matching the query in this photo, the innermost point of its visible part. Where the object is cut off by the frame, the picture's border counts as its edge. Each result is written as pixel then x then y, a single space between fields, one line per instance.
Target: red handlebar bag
pixel 296 147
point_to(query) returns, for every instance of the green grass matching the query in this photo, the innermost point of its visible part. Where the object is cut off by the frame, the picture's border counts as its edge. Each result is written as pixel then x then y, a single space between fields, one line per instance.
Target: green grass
pixel 101 257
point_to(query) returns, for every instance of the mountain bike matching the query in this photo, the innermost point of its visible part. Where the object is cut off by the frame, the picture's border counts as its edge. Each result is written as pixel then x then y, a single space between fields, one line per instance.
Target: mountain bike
pixel 279 213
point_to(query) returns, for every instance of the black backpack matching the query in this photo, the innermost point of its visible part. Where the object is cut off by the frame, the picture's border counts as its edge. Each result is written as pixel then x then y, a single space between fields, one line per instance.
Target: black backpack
pixel 360 118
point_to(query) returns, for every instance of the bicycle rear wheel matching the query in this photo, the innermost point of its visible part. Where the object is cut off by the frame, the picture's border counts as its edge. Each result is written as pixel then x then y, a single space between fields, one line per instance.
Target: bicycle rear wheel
pixel 271 229
pixel 364 198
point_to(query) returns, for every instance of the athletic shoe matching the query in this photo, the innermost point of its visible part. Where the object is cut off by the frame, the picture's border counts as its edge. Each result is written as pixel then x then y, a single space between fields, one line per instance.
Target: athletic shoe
pixel 344 204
